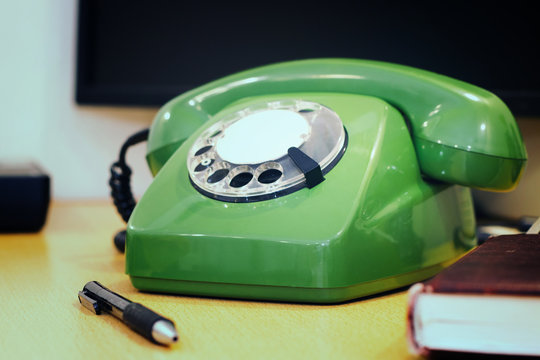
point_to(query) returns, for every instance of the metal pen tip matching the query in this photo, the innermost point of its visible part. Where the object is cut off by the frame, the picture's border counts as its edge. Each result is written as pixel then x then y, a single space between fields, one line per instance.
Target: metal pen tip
pixel 164 332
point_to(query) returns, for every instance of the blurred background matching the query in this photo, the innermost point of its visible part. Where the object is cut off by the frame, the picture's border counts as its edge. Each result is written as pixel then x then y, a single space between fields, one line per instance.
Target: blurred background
pixel 40 120
pixel 79 77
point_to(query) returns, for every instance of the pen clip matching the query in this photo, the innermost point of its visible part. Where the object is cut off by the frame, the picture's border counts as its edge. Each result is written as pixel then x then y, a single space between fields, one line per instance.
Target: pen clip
pixel 89 303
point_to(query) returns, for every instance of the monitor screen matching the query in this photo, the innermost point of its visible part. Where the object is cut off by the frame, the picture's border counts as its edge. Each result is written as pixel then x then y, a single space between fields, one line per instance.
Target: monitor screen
pixel 147 52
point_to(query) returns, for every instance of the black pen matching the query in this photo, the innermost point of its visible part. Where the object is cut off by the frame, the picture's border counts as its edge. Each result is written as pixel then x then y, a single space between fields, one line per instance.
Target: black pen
pixel 155 327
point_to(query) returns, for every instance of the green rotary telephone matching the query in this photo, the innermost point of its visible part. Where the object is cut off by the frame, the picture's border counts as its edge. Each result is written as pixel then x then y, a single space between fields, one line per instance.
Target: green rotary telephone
pixel 317 181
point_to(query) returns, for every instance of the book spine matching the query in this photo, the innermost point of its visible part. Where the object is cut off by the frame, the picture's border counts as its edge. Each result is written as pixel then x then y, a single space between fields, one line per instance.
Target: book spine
pixel 415 347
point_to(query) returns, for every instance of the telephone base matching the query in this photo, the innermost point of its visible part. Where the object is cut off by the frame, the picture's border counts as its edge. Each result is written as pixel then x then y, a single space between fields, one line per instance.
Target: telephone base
pixel 285 293
pixel 375 224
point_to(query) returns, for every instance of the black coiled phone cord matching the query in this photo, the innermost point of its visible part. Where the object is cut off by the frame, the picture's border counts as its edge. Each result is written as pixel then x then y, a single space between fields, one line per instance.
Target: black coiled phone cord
pixel 120 183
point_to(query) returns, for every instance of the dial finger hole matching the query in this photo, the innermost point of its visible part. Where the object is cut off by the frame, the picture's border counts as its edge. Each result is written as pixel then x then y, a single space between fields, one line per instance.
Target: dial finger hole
pixel 269 176
pixel 217 176
pixel 203 150
pixel 241 179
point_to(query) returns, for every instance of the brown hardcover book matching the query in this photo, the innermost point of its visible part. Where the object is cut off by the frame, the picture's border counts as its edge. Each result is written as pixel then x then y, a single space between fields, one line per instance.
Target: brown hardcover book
pixel 486 302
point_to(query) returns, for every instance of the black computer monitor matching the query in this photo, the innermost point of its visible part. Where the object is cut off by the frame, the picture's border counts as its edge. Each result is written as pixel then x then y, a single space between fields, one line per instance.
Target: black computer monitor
pixel 146 52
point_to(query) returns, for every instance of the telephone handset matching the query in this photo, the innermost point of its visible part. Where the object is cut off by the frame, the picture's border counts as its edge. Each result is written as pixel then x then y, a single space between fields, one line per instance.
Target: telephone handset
pixel 467 124
pixel 317 180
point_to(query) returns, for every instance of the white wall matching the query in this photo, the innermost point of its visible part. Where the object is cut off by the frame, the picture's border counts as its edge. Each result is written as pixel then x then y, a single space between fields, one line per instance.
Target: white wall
pixel 76 145
pixel 39 119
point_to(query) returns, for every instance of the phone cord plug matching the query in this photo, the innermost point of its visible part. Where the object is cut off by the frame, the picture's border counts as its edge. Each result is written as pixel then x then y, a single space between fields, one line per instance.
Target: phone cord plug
pixel 120 184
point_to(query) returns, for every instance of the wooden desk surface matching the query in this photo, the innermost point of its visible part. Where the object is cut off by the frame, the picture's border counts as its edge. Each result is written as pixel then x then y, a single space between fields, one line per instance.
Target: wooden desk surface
pixel 41 274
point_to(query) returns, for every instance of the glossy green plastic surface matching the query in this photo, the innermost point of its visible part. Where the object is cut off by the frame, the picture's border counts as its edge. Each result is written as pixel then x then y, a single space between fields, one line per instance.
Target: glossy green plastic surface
pixel 374 224
pixel 284 293
pixel 441 111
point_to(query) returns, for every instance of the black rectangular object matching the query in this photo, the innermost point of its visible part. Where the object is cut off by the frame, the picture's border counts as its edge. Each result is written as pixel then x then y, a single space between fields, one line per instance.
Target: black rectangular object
pixel 147 52
pixel 24 197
